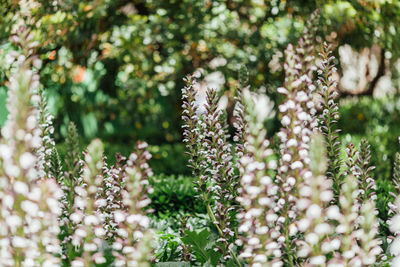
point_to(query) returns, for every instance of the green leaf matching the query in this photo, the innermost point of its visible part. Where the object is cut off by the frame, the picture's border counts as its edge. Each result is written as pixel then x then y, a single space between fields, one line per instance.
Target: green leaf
pixel 202 247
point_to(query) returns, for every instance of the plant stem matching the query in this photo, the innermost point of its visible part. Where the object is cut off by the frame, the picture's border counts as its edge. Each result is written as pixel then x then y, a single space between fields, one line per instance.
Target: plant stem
pixel 214 220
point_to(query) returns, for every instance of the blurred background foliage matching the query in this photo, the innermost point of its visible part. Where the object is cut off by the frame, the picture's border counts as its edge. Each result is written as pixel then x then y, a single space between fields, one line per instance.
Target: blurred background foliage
pixel 115 67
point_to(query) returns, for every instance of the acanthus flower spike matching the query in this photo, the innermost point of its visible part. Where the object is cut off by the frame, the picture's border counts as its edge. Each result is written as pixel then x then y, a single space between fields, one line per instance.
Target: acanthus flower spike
pixel 329 115
pixel 258 194
pixel 30 205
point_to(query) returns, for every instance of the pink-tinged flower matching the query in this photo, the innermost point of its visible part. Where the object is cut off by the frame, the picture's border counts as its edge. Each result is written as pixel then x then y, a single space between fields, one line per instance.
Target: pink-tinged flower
pixel 257 194
pixel 29 204
pixel 132 239
pixel 297 125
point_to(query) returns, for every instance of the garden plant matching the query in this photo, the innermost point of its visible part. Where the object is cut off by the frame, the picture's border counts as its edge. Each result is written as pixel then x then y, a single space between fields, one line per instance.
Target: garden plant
pixel 299 197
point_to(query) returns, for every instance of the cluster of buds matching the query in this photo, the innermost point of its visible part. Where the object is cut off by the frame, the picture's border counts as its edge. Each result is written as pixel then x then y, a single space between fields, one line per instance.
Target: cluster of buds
pixel 223 181
pixel 193 134
pixel 68 180
pixel 369 226
pixel 297 118
pixel 89 232
pixel 349 248
pixel 330 115
pixel 358 165
pixel 360 242
pixel 132 243
pixel 315 194
pixel 29 204
pixel 240 122
pixel 350 163
pixel 305 225
pixel 367 184
pixel 108 206
pixel 258 193
pixel 114 179
pixel 206 138
pixel 46 149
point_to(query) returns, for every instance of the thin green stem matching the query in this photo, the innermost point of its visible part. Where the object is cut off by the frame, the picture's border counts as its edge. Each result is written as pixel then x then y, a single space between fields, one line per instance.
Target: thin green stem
pixel 214 220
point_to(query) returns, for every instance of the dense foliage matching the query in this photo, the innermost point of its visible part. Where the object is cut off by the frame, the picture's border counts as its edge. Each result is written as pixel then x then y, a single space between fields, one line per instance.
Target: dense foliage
pixel 115 67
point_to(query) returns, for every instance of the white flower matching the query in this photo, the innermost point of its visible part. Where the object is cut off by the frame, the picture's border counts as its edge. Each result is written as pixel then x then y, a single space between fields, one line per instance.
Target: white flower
pixel 291 142
pixel 303 116
pixel 90 247
pixel 21 188
pixel 312 238
pixel 395 261
pixel 291 181
pixel 100 202
pixel 29 207
pixel 314 211
pixel 264 201
pixel 262 230
pixel 272 164
pixel 271 217
pixel 303 153
pixel 144 221
pixel 326 247
pixel 335 244
pixel 12 170
pixel 99 231
pixel 5 151
pixel 119 216
pixel 137 235
pixel 303 224
pixel 395 247
pixel 253 241
pixel 296 165
pixel 395 224
pixel 348 254
pixel 333 213
pixel 19 242
pixel 91 220
pixel 99 260
pixel 117 246
pixel 282 90
pixel 292 229
pixel 323 228
pixel 246 179
pixel 285 120
pixel 77 263
pixel 27 160
pixel 13 221
pixel 318 260
pixel 260 258
pixel 301 96
pixel 253 190
pixel 265 180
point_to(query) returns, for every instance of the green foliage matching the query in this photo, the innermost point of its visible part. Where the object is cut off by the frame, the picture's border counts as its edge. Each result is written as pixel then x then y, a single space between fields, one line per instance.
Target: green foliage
pixel 202 246
pixel 377 120
pixel 115 67
pixel 174 194
pixel 168 249
pixel 167 159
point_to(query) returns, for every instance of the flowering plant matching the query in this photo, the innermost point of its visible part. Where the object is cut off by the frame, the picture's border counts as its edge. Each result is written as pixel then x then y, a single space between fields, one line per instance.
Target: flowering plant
pixel 294 204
